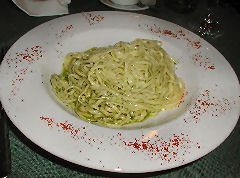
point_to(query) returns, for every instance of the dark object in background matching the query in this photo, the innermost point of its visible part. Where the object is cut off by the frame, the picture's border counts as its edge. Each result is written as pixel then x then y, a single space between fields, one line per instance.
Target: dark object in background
pixel 234 3
pixel 5 157
pixel 181 6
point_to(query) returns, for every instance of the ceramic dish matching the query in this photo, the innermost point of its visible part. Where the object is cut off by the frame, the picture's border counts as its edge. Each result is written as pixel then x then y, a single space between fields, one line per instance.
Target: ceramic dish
pixel 203 121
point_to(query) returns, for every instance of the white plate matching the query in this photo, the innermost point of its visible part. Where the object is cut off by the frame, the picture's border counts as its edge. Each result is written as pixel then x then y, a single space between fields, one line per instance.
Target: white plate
pixel 135 7
pixel 204 120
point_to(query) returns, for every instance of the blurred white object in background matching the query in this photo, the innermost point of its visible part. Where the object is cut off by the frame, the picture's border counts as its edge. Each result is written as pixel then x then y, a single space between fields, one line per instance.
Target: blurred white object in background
pixel 132 2
pixel 64 2
pixel 125 2
pixel 134 7
pixel 43 7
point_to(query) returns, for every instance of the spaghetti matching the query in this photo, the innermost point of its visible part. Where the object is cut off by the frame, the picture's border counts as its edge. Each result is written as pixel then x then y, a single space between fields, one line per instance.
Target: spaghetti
pixel 120 84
